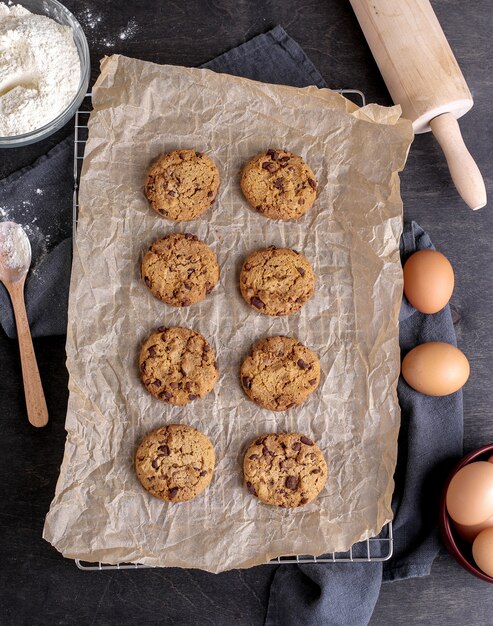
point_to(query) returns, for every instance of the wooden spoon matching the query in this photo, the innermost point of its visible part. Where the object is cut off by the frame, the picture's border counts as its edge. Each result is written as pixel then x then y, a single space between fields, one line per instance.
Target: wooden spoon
pixel 15 259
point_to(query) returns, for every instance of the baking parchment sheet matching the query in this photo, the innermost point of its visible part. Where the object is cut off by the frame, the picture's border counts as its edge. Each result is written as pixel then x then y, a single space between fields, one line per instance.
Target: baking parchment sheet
pixel 100 511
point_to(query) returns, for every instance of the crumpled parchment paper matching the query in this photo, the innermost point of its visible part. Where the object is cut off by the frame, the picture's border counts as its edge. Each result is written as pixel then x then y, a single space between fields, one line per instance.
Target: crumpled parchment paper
pixel 100 512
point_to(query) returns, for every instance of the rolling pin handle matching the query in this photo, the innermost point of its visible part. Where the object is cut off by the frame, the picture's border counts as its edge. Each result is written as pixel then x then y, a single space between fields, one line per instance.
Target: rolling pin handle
pixel 463 169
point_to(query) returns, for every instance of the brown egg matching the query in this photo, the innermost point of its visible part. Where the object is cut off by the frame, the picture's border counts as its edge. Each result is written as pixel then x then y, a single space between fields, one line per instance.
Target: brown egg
pixel 428 280
pixel 482 551
pixel 435 368
pixel 469 496
pixel 469 533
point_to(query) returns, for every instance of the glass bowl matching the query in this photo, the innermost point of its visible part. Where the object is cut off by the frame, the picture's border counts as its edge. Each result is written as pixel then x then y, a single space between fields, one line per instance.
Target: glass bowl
pixel 460 549
pixel 57 12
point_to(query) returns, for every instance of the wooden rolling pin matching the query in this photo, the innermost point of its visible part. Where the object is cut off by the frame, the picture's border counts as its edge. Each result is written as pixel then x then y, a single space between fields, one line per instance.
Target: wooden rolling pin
pixel 422 75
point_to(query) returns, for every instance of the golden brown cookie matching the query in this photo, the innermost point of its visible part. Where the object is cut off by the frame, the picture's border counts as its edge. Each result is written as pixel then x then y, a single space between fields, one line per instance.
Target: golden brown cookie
pixel 284 469
pixel 182 184
pixel 175 462
pixel 180 269
pixel 277 281
pixel 177 365
pixel 280 373
pixel 279 185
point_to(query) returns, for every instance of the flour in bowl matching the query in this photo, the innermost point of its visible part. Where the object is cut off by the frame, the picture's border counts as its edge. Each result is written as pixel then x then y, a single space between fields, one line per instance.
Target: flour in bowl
pixel 39 70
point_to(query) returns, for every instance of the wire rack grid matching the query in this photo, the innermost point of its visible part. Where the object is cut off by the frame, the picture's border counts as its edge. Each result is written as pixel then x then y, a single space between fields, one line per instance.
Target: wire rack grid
pixel 374 549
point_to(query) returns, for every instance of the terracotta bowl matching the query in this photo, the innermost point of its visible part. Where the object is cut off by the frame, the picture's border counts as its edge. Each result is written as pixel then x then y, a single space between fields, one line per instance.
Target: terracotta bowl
pixel 460 549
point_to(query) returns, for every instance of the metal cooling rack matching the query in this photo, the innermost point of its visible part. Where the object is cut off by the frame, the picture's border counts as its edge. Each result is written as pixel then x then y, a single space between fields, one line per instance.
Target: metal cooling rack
pixel 378 548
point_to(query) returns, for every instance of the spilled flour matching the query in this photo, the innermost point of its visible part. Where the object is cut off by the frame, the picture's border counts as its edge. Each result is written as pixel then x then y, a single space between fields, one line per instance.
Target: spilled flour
pixel 39 70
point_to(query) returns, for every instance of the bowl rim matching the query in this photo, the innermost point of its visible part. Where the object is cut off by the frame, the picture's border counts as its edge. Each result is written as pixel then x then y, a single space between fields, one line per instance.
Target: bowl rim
pixel 42 132
pixel 446 527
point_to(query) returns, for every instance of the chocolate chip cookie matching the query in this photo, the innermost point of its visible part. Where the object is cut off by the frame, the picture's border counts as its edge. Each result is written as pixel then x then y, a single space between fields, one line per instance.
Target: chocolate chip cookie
pixel 279 185
pixel 277 281
pixel 182 184
pixel 177 365
pixel 280 373
pixel 180 269
pixel 285 469
pixel 175 462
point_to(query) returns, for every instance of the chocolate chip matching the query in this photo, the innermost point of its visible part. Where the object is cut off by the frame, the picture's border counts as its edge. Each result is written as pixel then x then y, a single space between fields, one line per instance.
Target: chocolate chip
pixel 306 441
pixel 260 441
pixel 290 405
pixel 207 347
pixel 296 446
pixel 203 472
pixel 164 449
pixel 313 381
pixel 182 371
pixel 163 212
pixel 274 155
pixel 301 364
pixel 252 457
pixel 247 383
pixel 140 458
pixel 312 183
pixel 315 471
pixel 292 482
pixel 247 267
pixel 192 237
pixel 257 302
pixel 183 156
pixel 267 452
pixel 172 492
pixel 147 281
pixel 251 488
pixel 301 201
pixel 186 302
pixel 161 329
pixel 142 366
pixel 303 500
pixel 152 351
pixel 165 395
pixel 260 209
pixel 278 184
pixel 198 155
pixel 301 271
pixel 157 383
pixel 155 464
pixel 188 386
pixel 173 385
pixel 192 396
pixel 284 159
pixel 172 193
pixel 210 194
pixel 270 167
pixel 187 286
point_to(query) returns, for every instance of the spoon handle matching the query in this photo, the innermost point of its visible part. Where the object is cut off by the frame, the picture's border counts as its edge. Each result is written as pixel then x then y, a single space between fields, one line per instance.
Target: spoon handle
pixel 37 412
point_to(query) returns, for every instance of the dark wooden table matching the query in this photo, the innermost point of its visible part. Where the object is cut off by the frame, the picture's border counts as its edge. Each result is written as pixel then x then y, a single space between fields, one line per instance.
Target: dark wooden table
pixel 37 585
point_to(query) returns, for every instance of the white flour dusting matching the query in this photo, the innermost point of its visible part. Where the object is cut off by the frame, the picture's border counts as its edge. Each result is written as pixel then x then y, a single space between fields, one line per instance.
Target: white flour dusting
pixel 39 70
pixel 15 250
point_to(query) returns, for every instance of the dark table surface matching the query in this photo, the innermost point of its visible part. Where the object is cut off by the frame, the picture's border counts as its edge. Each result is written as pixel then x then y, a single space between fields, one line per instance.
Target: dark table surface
pixel 37 585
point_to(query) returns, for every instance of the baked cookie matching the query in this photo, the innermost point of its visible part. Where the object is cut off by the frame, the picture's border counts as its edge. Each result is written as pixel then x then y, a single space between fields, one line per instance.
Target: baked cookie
pixel 279 184
pixel 175 462
pixel 284 469
pixel 280 373
pixel 177 365
pixel 182 184
pixel 180 269
pixel 276 281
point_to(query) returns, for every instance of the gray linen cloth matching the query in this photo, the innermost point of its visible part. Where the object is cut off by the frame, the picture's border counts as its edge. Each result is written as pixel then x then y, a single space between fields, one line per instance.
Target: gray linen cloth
pixel 431 433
